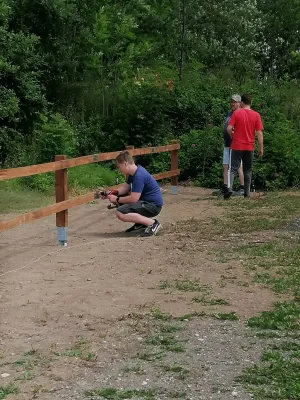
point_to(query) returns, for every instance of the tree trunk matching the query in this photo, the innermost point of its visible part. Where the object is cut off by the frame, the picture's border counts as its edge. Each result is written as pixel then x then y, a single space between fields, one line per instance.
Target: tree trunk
pixel 182 19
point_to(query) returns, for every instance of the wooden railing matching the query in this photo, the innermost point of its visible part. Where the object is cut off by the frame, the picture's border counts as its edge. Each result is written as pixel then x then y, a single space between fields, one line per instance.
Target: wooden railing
pixel 60 166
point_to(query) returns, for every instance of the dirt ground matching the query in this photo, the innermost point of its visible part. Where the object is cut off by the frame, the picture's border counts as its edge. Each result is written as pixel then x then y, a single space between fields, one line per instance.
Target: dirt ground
pixel 75 319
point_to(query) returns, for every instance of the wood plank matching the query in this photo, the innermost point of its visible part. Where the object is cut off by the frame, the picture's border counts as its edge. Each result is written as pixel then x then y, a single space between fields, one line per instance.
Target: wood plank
pixel 168 174
pixel 73 162
pixel 64 205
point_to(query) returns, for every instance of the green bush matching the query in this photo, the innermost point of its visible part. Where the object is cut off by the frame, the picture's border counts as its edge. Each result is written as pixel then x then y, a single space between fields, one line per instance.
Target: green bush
pixel 200 156
pixel 54 136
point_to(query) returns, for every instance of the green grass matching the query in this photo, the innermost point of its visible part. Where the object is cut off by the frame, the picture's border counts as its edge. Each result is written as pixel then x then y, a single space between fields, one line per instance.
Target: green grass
pixel 277 377
pixel 152 355
pixel 166 342
pixel 171 328
pixel 119 394
pixel 123 394
pixel 158 314
pixel 17 199
pixel 189 317
pixel 80 349
pixel 7 390
pixel 210 302
pixel 185 285
pixel 284 316
pixel 181 372
pixel 37 191
pixel 226 316
pixel 136 369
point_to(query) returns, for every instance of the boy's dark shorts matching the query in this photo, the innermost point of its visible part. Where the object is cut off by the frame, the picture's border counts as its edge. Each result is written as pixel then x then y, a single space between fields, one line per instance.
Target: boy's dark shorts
pixel 140 207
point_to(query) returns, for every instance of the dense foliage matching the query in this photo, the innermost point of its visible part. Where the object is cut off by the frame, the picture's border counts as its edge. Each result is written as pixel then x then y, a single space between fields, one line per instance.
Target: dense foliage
pixel 81 76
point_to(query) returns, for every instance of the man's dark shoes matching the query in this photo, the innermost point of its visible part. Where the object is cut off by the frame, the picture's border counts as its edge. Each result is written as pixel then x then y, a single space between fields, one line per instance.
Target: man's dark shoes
pixel 220 192
pixel 152 229
pixel 135 228
pixel 228 193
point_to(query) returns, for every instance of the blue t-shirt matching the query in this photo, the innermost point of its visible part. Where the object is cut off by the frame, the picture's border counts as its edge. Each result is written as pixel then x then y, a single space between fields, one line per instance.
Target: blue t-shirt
pixel 144 183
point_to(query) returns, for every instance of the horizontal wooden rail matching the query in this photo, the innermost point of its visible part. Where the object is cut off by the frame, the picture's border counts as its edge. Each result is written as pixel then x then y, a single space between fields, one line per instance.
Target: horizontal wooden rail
pixel 64 205
pixel 74 162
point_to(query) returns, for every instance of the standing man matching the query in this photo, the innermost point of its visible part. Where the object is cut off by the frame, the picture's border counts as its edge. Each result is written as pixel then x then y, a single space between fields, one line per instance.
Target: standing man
pixel 235 103
pixel 243 126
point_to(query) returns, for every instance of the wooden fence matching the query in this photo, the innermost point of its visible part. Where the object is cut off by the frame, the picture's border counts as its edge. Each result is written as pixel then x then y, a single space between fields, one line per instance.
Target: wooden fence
pixel 60 166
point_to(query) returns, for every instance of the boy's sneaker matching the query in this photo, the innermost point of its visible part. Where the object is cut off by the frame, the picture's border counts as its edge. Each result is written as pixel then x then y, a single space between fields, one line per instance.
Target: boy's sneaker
pixel 152 229
pixel 135 228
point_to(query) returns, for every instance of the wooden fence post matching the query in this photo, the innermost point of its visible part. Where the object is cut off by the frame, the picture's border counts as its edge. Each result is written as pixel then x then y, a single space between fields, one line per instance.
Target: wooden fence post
pixel 174 166
pixel 61 194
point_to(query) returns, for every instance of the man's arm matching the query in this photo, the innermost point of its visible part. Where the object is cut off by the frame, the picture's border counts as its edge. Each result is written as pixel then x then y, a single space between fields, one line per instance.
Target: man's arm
pixel 230 130
pixel 260 139
pixel 230 126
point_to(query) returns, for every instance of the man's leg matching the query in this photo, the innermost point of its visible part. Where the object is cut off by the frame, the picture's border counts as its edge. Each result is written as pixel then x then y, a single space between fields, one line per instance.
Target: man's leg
pixel 241 176
pixel 226 161
pixel 224 187
pixel 235 163
pixel 241 189
pixel 247 169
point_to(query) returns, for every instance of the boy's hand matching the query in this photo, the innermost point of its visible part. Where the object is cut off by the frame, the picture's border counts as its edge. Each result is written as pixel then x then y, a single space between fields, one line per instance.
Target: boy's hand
pixel 260 152
pixel 112 198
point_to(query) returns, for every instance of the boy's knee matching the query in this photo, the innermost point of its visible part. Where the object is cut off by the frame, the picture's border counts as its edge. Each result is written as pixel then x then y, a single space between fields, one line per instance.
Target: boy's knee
pixel 120 216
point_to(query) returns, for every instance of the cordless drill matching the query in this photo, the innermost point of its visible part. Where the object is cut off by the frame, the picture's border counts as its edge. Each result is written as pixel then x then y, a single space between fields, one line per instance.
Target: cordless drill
pixel 104 195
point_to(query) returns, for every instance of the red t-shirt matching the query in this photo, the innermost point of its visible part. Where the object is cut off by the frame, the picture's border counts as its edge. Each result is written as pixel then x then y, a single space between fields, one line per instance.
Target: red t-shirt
pixel 245 123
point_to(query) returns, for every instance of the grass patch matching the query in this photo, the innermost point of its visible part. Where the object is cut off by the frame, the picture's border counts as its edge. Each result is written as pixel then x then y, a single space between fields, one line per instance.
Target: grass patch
pixel 136 369
pixel 152 355
pixel 276 265
pixel 80 349
pixel 181 372
pixel 30 360
pixel 276 378
pixel 226 316
pixel 23 199
pixel 284 316
pixel 210 302
pixel 270 213
pixel 158 314
pixel 171 328
pixel 123 394
pixel 166 342
pixel 120 394
pixel 184 285
pixel 7 390
pixel 189 317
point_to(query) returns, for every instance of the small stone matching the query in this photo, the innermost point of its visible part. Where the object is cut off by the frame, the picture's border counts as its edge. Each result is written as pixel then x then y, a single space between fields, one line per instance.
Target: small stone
pixel 234 394
pixel 145 383
pixel 88 279
pixel 5 375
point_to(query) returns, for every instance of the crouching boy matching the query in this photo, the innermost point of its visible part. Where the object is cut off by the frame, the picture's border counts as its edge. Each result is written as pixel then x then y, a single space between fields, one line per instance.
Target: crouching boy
pixel 139 199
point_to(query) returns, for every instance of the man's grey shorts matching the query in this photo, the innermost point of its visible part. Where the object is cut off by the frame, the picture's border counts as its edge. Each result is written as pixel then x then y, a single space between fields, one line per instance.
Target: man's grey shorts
pixel 140 207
